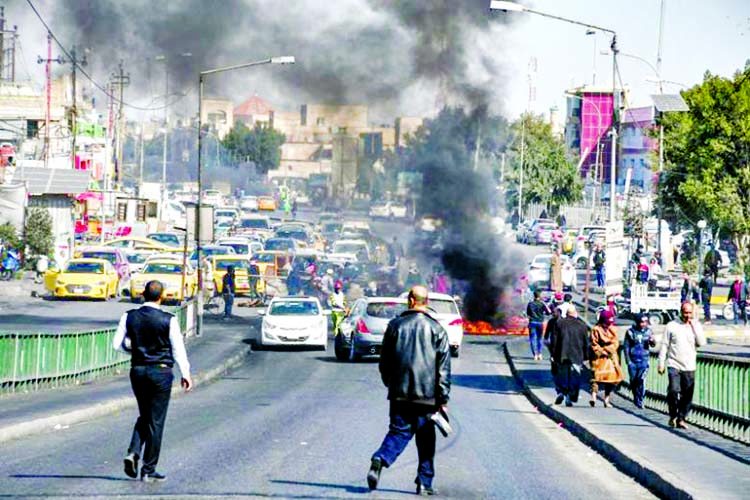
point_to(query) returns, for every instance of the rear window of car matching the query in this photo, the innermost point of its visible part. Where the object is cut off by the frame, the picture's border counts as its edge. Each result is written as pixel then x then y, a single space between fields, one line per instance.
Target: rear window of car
pixel 385 309
pixel 254 223
pixel 240 248
pixel 163 268
pixel 136 258
pixel 84 267
pixel 542 261
pixel 280 244
pixel 547 226
pixel 294 308
pixel 110 256
pixel 442 306
pixel 222 265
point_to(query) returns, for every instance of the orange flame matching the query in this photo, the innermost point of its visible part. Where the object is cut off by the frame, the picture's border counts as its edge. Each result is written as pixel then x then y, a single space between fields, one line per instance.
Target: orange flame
pixel 515 325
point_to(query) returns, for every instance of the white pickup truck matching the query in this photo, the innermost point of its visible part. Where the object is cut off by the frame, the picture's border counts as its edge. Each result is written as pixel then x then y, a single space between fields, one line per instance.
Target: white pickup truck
pixel 660 306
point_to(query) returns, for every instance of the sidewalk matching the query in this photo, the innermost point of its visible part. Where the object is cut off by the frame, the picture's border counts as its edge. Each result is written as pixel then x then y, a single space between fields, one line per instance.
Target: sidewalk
pixel 671 463
pixel 221 346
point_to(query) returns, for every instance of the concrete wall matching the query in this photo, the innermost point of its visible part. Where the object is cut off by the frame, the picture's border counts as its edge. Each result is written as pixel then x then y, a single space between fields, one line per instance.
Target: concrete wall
pixel 60 207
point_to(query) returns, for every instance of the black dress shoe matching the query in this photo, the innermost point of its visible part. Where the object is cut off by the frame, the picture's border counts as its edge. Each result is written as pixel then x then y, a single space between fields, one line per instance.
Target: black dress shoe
pixel 559 399
pixel 373 475
pixel 154 477
pixel 131 465
pixel 426 491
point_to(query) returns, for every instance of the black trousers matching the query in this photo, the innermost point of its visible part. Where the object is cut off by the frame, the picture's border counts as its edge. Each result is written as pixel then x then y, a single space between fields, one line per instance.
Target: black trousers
pixel 680 393
pixel 152 386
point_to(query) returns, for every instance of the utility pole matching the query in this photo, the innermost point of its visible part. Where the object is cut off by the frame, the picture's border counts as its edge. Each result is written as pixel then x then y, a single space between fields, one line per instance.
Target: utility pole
pixel 121 80
pixel 140 167
pixel 74 63
pixel 48 71
pixel 7 53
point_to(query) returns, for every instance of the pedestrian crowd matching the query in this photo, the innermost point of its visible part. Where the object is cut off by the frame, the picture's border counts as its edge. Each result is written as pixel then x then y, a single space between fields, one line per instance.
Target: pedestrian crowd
pixel 579 353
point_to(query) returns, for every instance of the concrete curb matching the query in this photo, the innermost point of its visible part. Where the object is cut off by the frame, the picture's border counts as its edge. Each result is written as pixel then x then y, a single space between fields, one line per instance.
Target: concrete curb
pixel 648 478
pixel 114 405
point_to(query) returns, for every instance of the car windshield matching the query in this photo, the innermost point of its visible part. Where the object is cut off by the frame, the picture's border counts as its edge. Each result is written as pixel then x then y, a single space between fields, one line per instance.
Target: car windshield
pixel 297 234
pixel 163 268
pixel 85 267
pixel 332 227
pixel 254 223
pixel 349 248
pixel 294 308
pixel 443 306
pixel 542 260
pixel 240 248
pixel 224 213
pixel 110 256
pixel 266 258
pixel 278 244
pixel 136 258
pixel 222 265
pixel 167 239
pixel 385 309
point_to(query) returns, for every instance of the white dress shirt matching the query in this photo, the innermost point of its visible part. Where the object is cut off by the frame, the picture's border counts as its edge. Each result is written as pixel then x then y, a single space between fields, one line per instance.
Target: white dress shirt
pixel 175 338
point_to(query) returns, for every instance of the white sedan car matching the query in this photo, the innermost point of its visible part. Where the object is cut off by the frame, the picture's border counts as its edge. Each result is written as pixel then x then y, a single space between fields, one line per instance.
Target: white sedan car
pixel 388 210
pixel 539 271
pixel 295 321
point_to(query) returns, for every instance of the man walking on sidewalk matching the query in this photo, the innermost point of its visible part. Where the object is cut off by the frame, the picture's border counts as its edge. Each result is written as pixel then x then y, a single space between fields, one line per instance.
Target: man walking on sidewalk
pixel 568 353
pixel 678 353
pixel 536 310
pixel 153 338
pixel 415 365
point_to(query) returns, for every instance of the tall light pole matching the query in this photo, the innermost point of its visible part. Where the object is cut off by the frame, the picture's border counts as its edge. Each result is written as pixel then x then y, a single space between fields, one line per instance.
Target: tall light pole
pixel 504 6
pixel 163 197
pixel 201 80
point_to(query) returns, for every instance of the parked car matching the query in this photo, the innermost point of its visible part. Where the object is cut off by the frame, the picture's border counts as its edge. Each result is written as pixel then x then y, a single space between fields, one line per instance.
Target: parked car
pixel 294 321
pixel 539 271
pixel 363 328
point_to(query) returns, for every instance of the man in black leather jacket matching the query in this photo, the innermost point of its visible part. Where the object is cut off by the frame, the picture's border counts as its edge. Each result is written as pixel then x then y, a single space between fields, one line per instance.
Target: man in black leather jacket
pixel 415 365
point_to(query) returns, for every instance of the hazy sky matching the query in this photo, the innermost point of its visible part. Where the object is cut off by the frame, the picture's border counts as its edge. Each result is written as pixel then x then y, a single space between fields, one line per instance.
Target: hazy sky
pixel 369 49
pixel 696 39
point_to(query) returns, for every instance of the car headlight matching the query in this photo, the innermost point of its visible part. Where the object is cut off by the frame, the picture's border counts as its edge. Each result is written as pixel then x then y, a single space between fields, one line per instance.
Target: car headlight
pixel 269 326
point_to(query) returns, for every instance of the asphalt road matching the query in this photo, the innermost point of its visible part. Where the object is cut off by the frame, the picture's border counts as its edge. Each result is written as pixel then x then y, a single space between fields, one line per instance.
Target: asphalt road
pixel 298 424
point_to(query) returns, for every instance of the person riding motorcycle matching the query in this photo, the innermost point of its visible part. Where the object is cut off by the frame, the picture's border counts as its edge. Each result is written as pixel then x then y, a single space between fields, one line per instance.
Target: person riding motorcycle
pixel 337 303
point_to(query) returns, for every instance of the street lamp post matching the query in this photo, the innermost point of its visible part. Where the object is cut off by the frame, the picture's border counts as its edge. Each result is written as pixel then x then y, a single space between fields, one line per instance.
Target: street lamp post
pixel 201 80
pixel 504 6
pixel 163 198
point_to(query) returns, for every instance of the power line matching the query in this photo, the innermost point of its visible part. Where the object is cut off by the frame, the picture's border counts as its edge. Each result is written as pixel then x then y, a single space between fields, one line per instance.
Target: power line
pixel 89 77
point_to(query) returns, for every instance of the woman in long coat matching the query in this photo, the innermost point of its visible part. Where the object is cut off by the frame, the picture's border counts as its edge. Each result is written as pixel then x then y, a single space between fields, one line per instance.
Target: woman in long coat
pixel 555 272
pixel 605 363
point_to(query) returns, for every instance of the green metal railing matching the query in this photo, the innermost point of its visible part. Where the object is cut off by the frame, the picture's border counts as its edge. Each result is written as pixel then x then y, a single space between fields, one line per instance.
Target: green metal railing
pixel 721 401
pixel 30 361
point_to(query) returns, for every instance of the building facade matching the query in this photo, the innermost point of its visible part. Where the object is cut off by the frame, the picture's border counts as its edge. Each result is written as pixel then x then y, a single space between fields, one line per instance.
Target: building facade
pixel 638 150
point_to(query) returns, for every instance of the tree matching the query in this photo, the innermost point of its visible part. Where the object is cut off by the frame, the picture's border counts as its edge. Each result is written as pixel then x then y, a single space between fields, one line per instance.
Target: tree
pixel 39 237
pixel 707 158
pixel 260 145
pixel 550 177
pixel 9 235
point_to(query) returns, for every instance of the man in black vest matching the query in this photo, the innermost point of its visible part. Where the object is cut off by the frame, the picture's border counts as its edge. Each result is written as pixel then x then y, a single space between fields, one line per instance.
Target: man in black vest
pixel 153 338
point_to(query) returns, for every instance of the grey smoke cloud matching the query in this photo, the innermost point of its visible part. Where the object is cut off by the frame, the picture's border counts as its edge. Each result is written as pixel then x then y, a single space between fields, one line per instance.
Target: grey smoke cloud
pixel 349 51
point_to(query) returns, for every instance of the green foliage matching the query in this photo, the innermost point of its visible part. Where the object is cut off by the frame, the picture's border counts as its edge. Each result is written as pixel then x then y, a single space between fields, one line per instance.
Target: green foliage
pixel 707 152
pixel 9 235
pixel 39 237
pixel 689 266
pixel 549 176
pixel 260 145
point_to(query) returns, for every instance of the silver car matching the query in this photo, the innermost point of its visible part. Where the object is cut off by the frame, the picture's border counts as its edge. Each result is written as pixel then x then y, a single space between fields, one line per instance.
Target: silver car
pixel 363 328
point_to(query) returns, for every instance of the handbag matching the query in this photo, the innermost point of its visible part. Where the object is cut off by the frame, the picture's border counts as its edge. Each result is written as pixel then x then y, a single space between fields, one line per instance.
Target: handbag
pixel 606 370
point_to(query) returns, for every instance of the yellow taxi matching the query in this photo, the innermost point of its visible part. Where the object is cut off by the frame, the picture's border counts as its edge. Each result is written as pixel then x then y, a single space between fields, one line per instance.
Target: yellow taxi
pixel 169 272
pixel 83 278
pixel 241 273
pixel 266 203
pixel 138 243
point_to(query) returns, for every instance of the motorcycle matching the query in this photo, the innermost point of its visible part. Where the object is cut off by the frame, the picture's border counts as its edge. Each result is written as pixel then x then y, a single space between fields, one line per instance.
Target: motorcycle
pixel 10 265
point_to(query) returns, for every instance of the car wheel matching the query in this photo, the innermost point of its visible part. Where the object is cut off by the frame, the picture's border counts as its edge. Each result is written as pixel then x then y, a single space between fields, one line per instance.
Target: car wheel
pixel 728 312
pixel 353 356
pixel 655 318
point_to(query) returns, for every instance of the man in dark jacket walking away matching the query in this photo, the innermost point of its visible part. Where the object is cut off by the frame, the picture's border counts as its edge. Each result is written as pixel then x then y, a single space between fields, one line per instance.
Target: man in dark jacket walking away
pixel 153 338
pixel 415 366
pixel 227 291
pixel 569 352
